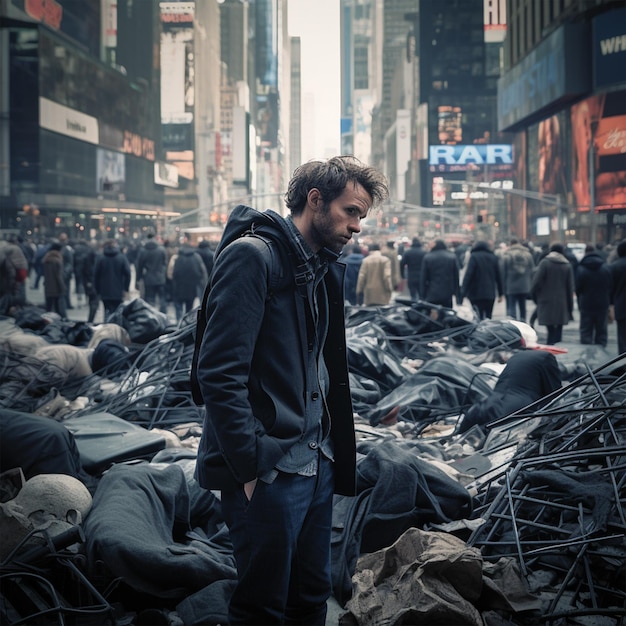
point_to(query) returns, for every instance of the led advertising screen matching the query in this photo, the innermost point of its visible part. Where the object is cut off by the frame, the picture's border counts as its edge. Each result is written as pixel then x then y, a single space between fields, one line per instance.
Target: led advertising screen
pixel 601 119
pixel 110 171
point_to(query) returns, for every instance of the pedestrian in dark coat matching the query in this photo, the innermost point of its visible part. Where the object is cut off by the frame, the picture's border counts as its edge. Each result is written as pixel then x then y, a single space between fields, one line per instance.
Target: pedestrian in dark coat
pixel 593 289
pixel 42 250
pixel 439 279
pixel 517 266
pixel 151 270
pixel 618 295
pixel 353 263
pixel 482 280
pixel 87 277
pixel 553 291
pixel 81 251
pixel 571 257
pixel 68 267
pixel 111 276
pixel 411 266
pixel 189 278
pixel 54 286
pixel 206 254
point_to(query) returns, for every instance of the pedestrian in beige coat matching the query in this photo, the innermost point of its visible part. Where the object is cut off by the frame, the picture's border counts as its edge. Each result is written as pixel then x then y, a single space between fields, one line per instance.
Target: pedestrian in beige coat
pixel 374 283
pixel 391 253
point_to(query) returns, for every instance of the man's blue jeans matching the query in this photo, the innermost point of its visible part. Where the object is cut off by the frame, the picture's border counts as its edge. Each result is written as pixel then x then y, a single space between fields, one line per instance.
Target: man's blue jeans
pixel 281 543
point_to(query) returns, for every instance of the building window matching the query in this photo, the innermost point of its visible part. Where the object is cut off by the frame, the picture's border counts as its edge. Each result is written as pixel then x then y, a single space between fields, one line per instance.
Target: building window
pixel 361 67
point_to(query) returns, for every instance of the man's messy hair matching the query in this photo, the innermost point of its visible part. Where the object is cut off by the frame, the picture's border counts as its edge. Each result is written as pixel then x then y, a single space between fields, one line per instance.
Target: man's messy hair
pixel 331 177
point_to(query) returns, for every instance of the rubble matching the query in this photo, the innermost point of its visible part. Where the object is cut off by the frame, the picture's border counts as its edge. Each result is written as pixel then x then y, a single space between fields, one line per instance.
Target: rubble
pixel 540 490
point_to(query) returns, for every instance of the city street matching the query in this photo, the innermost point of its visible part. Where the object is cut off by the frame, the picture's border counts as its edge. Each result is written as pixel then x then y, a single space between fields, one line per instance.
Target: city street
pixel 571 339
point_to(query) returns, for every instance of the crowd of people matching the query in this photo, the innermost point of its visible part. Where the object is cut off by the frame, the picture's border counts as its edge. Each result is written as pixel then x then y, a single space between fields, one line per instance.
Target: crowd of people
pixel 550 277
pixel 102 275
pixel 172 278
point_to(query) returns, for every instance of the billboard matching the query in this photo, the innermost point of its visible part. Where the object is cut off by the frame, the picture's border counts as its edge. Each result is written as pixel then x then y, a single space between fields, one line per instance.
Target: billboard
pixel 551 170
pixel 183 162
pixel 557 68
pixel 177 79
pixel 77 19
pixel 461 158
pixel 66 121
pixel 449 124
pixel 110 171
pixel 494 14
pixel 603 119
pixel 165 174
pixel 178 83
pixel 609 48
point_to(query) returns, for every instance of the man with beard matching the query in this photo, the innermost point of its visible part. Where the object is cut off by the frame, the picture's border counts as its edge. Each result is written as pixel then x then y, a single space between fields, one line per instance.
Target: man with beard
pixel 278 438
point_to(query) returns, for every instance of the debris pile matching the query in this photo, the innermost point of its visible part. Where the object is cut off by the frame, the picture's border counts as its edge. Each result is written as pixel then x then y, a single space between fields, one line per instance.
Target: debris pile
pixel 530 502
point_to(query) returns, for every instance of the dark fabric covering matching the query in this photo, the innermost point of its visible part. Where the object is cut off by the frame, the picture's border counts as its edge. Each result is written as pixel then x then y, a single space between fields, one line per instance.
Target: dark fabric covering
pixel 142 321
pixel 53 330
pixel 348 515
pixel 443 384
pixel 108 352
pixel 209 606
pixel 39 445
pixel 397 490
pixel 407 491
pixel 140 528
pixel 528 376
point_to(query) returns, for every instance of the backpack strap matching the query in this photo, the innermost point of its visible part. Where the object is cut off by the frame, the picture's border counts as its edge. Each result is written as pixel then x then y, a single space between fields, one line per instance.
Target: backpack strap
pixel 266 247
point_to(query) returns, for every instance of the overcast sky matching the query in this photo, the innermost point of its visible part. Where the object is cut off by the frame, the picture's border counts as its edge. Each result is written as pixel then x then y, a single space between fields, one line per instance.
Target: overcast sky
pixel 316 22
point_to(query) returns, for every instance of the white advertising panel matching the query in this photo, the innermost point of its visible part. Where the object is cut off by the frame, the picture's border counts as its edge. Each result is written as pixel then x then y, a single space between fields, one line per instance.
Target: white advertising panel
pixel 61 119
pixel 165 174
pixel 240 146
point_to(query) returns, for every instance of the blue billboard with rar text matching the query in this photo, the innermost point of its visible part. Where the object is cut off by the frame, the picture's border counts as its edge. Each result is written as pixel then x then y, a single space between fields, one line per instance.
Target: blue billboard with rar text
pixel 460 158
